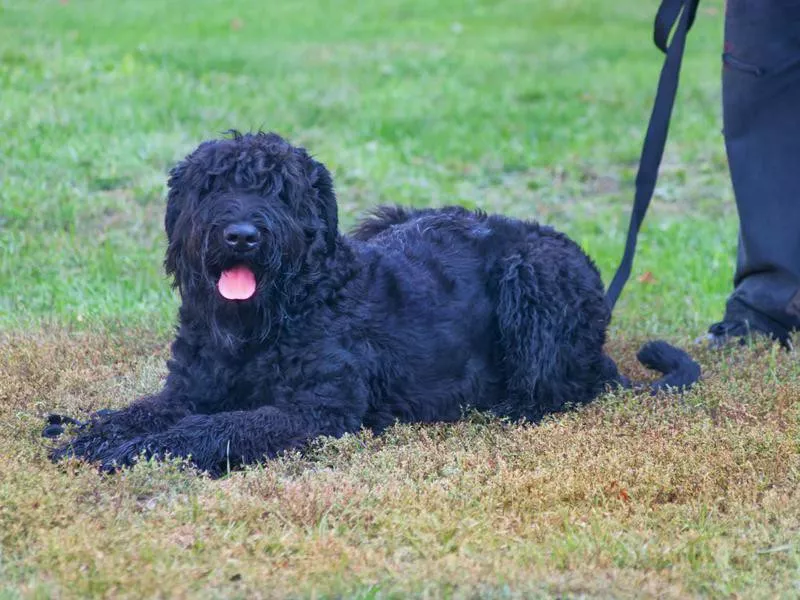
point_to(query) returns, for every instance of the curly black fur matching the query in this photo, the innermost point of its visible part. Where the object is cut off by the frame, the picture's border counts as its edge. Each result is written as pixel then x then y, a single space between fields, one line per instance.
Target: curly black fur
pixel 416 316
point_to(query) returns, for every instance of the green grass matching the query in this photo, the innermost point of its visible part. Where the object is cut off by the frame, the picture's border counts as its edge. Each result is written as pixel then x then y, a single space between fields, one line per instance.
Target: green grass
pixel 535 109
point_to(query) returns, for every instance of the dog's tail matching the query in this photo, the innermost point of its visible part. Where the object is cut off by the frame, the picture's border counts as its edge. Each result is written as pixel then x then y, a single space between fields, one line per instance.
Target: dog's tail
pixel 679 370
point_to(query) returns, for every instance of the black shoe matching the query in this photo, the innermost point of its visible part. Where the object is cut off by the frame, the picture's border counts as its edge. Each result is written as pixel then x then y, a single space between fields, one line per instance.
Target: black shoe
pixel 742 324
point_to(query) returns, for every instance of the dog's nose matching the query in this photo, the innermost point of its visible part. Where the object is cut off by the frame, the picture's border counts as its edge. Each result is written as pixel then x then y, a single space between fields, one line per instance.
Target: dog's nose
pixel 241 236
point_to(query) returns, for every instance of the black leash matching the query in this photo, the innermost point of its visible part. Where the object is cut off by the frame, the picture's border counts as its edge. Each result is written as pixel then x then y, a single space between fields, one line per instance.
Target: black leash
pixel 670 12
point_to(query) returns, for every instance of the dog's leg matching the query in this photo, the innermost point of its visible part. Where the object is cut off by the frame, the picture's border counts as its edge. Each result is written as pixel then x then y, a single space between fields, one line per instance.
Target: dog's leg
pixel 332 406
pixel 106 428
pixel 551 339
pixel 217 443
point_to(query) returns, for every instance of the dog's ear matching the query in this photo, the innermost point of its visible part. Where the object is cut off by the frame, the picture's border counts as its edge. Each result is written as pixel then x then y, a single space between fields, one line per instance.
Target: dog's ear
pixel 187 179
pixel 175 190
pixel 322 182
pixel 182 193
pixel 175 203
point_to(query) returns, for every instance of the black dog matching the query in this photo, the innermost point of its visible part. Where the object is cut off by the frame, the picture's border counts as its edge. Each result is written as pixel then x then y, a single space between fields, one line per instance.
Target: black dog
pixel 290 330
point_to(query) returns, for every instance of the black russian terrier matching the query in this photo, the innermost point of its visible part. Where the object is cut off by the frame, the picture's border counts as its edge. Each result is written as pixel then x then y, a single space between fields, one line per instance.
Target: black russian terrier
pixel 290 330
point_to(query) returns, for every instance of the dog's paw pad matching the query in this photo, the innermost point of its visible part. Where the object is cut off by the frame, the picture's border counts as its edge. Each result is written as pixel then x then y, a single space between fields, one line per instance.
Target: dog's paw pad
pixel 53 430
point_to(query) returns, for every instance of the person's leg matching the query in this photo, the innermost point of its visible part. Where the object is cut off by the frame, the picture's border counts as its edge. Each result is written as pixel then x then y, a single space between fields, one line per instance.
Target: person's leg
pixel 761 118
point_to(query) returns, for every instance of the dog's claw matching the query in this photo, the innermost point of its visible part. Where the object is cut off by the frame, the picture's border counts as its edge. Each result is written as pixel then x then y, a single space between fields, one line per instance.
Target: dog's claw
pixel 55 419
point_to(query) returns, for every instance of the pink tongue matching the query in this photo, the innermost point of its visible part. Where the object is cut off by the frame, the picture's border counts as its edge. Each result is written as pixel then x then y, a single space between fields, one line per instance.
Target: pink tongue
pixel 238 283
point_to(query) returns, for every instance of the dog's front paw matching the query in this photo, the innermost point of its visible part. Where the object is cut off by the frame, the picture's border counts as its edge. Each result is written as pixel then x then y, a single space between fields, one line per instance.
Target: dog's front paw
pixel 86 447
pixel 109 454
pixel 94 435
pixel 55 425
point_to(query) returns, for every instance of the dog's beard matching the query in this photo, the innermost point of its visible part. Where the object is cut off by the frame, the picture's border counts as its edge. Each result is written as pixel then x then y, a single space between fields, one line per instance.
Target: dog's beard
pixel 259 299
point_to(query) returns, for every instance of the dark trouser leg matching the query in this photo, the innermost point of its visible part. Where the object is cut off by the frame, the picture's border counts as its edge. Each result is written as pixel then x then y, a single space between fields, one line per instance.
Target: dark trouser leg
pixel 761 115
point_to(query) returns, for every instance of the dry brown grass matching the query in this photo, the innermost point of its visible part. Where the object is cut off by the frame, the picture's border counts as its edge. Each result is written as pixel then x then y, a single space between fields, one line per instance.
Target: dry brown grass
pixel 628 497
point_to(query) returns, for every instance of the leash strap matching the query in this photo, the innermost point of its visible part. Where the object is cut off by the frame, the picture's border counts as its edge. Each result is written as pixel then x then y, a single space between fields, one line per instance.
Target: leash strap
pixel 671 11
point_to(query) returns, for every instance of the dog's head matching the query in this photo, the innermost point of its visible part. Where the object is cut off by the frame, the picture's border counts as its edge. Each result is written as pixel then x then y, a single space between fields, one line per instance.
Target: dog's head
pixel 246 216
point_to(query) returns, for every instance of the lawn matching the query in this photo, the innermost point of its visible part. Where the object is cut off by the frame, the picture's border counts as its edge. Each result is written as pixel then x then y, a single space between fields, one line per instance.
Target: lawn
pixel 534 109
